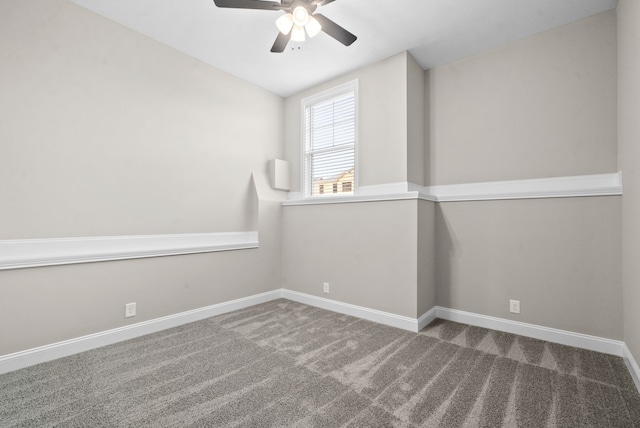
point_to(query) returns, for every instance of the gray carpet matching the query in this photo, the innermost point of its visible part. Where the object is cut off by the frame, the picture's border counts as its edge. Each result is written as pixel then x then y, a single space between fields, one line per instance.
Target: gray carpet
pixel 284 364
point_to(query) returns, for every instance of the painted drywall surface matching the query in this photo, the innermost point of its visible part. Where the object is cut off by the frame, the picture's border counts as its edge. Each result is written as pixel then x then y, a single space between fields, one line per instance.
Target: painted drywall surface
pixel 107 132
pixel 415 122
pixel 629 141
pixel 365 251
pixel 41 306
pixel 382 145
pixel 559 257
pixel 544 106
pixel 426 292
pixel 426 124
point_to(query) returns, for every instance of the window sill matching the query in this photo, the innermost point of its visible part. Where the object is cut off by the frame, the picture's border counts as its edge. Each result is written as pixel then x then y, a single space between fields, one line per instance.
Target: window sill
pixel 351 199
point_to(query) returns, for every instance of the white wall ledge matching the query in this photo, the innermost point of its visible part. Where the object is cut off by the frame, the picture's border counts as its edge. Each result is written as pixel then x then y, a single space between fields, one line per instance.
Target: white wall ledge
pixel 553 187
pixel 538 188
pixel 351 199
pixel 28 253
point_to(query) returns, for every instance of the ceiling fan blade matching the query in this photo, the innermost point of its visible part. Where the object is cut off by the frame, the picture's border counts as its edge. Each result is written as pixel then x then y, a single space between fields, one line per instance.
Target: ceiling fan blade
pixel 281 42
pixel 323 2
pixel 250 4
pixel 334 30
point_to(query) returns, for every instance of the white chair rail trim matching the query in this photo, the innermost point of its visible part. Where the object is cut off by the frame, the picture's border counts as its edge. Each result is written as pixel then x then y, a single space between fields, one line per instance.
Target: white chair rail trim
pixel 537 188
pixel 553 187
pixel 28 253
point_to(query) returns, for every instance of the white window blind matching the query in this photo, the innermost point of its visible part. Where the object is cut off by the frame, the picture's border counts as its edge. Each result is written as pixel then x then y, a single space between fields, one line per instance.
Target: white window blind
pixel 330 134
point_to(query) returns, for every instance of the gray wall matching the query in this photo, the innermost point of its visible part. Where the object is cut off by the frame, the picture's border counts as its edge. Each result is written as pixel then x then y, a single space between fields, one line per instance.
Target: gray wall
pixel 426 293
pixel 376 254
pixel 367 252
pixel 106 132
pixel 541 107
pixel 415 122
pixel 102 126
pixel 559 257
pixel 51 304
pixel 382 151
pixel 544 106
pixel 379 255
pixel 629 142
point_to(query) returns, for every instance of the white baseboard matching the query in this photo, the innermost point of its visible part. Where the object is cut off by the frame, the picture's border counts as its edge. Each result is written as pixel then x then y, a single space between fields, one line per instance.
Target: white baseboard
pixel 427 318
pixel 632 365
pixel 568 338
pixel 54 351
pixel 374 315
pixel 563 337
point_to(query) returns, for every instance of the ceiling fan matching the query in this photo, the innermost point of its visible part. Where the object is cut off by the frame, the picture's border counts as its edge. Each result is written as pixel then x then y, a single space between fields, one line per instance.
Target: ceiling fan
pixel 299 18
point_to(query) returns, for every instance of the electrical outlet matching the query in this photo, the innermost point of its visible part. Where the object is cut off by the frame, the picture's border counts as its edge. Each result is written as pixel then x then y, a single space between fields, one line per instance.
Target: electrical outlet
pixel 130 310
pixel 325 287
pixel 514 306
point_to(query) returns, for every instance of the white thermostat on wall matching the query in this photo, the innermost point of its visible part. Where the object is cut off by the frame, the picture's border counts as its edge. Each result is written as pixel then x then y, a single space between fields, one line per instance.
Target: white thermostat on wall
pixel 279 174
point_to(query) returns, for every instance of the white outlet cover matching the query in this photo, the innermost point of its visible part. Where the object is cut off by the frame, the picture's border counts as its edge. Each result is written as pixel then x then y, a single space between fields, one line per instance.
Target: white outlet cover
pixel 130 310
pixel 514 306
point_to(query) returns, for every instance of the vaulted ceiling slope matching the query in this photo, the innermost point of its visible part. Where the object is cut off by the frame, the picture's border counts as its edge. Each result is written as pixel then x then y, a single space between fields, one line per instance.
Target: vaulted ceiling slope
pixel 435 32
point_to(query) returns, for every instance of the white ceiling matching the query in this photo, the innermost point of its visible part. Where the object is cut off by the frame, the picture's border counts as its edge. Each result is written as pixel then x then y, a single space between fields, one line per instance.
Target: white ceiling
pixel 435 32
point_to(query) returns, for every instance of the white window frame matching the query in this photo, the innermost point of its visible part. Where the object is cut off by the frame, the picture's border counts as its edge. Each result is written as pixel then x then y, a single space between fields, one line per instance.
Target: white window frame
pixel 305 179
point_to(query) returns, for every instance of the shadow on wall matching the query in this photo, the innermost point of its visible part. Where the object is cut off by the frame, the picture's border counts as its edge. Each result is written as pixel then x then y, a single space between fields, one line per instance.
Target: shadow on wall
pixel 428 151
pixel 445 252
pixel 252 213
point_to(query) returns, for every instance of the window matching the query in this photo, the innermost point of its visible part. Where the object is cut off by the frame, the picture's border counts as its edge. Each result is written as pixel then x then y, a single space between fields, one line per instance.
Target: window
pixel 330 130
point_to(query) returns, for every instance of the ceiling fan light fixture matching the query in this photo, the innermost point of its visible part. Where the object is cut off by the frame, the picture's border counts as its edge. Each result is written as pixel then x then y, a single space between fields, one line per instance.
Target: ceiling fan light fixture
pixel 297 33
pixel 313 27
pixel 300 16
pixel 298 21
pixel 285 23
